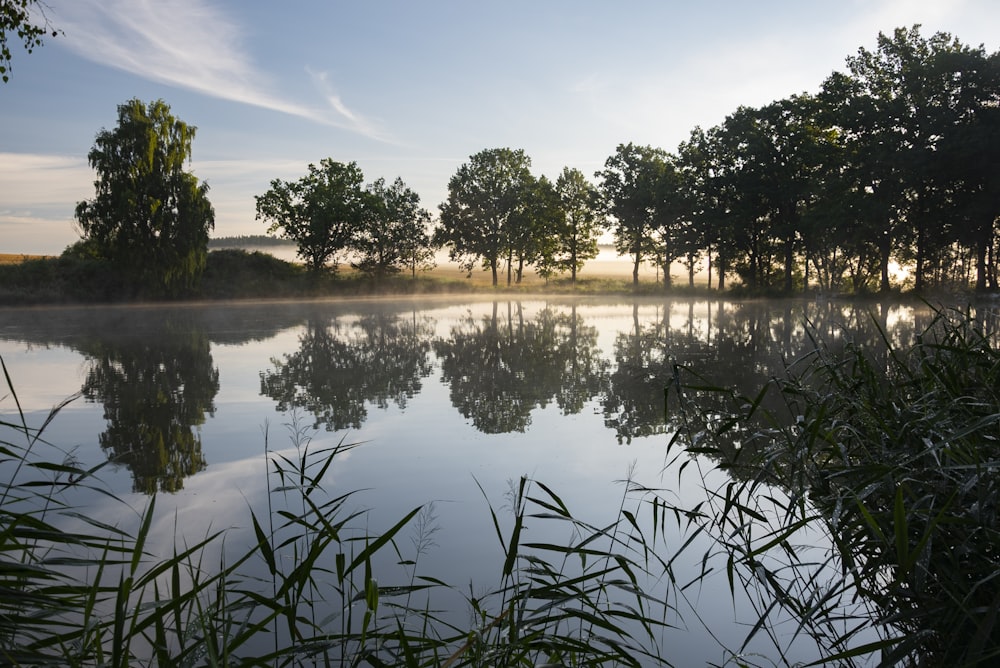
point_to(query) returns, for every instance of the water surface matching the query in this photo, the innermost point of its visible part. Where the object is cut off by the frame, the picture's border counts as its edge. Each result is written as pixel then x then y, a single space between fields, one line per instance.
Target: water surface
pixel 449 396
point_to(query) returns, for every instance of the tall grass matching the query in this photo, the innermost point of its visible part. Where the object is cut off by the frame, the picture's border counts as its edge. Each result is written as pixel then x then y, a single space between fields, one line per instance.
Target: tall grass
pixel 892 455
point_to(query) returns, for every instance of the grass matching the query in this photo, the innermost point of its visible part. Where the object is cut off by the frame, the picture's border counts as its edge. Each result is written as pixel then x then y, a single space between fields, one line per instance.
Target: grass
pixel 860 502
pixel 238 274
pixel 894 456
pixel 18 258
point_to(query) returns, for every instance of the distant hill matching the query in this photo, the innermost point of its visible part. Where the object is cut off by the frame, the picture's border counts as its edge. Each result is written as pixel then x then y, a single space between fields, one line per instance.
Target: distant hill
pixel 248 240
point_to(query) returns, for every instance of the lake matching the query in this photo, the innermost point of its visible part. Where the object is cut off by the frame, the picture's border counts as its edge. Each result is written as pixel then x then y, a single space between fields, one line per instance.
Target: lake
pixel 454 399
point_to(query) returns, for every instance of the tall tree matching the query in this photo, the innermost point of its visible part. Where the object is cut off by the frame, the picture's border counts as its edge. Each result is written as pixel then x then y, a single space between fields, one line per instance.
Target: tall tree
pixel 670 218
pixel 964 165
pixel 149 216
pixel 484 198
pixel 708 200
pixel 27 20
pixel 581 221
pixel 629 189
pixel 534 229
pixel 391 234
pixel 320 212
pixel 890 118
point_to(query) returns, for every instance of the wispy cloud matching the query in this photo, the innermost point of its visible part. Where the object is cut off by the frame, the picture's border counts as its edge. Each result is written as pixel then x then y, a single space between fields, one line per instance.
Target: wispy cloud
pixel 189 44
pixel 29 180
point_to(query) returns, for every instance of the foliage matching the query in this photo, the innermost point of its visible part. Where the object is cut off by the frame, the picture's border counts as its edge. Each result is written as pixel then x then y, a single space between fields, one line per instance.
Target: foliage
pixel 894 455
pixel 320 212
pixel 581 222
pixel 632 183
pixel 233 273
pixel 479 221
pixel 26 19
pixel 149 217
pixel 392 231
pixel 245 240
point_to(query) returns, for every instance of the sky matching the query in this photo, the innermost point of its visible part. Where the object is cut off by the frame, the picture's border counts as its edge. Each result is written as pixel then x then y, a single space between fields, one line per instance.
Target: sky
pixel 410 88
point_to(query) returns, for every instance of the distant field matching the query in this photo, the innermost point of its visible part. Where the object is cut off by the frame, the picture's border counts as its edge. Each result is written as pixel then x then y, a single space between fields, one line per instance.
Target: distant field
pixel 17 258
pixel 606 265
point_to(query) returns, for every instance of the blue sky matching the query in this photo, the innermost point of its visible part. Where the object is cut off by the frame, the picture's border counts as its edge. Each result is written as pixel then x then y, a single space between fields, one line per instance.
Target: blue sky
pixel 410 89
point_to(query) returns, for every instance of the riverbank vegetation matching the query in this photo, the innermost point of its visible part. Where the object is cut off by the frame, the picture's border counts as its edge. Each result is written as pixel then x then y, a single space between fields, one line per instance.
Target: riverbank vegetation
pixel 234 273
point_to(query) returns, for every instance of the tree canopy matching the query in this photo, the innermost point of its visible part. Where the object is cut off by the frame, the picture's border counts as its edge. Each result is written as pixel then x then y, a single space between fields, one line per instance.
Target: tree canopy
pixel 149 216
pixel 320 211
pixel 26 19
pixel 479 220
pixel 392 232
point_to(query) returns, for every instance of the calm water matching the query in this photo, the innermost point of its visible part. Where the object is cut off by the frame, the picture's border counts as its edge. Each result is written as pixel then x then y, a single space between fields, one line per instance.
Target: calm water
pixel 448 395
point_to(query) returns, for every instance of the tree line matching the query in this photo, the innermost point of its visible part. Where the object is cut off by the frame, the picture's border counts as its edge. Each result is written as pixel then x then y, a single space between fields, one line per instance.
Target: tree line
pixel 892 161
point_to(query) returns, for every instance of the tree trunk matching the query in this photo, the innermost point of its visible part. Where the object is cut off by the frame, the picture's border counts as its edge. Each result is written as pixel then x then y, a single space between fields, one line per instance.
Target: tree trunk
pixel 884 245
pixel 981 244
pixel 918 278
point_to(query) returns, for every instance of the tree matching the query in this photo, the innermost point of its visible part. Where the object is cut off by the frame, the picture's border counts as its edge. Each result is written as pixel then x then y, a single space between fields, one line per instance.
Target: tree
pixel 629 189
pixel 26 19
pixel 149 216
pixel 708 199
pixel 893 109
pixel 534 229
pixel 581 222
pixel 484 197
pixel 392 232
pixel 321 212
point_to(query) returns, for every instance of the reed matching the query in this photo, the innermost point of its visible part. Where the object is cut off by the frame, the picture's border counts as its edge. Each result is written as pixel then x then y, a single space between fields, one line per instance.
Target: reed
pixel 892 458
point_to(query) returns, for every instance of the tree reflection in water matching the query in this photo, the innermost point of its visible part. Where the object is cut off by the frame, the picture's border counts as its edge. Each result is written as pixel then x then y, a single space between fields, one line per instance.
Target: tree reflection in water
pixel 500 367
pixel 155 389
pixel 499 361
pixel 341 366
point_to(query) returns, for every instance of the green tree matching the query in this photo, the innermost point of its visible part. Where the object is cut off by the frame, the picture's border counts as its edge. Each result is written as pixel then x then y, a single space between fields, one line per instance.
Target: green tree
pixel 392 232
pixel 581 221
pixel 27 20
pixel 893 109
pixel 964 162
pixel 321 211
pixel 149 216
pixel 707 201
pixel 630 183
pixel 671 218
pixel 534 230
pixel 485 196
